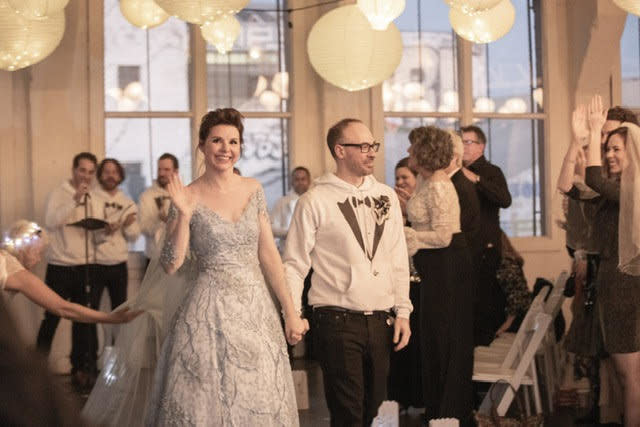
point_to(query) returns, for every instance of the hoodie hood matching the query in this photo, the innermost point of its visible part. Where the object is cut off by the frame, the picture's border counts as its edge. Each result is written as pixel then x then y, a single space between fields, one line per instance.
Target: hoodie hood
pixel 331 179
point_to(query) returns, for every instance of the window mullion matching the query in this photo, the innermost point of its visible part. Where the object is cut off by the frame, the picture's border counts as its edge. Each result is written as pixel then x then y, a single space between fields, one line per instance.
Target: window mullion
pixel 198 72
pixel 465 79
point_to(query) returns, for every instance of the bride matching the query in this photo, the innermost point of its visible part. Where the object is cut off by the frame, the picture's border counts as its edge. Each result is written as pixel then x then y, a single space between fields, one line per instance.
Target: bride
pixel 223 360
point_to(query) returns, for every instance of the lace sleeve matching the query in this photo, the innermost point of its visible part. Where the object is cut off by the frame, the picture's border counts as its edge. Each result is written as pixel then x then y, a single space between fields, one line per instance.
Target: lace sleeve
pixel 261 203
pixel 435 217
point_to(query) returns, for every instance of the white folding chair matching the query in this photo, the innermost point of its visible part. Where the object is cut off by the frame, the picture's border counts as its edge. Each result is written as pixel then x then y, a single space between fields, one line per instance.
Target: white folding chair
pixel 518 367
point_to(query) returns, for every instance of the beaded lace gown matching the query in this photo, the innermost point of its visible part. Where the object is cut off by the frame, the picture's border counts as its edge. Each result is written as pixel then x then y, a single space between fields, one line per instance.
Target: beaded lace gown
pixel 224 361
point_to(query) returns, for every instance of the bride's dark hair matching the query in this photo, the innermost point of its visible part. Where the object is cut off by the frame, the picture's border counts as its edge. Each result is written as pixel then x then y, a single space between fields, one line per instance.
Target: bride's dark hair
pixel 221 116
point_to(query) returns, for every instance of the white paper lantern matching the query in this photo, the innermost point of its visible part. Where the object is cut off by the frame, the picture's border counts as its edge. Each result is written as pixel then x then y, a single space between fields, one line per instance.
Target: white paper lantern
pixel 484 27
pixel 143 13
pixel 484 105
pixel 630 6
pixel 24 41
pixel 221 33
pixel 201 11
pixel 471 7
pixel 381 13
pixel 38 9
pixel 345 51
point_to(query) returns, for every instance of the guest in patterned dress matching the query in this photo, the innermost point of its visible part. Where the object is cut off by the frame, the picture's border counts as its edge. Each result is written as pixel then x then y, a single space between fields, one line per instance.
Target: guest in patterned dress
pixel 618 223
pixel 514 285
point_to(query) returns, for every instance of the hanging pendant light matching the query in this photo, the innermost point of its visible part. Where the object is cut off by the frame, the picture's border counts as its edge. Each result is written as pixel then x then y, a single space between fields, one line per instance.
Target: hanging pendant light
pixel 201 11
pixel 484 27
pixel 24 41
pixel 630 6
pixel 38 9
pixel 222 32
pixel 143 13
pixel 381 13
pixel 471 7
pixel 345 51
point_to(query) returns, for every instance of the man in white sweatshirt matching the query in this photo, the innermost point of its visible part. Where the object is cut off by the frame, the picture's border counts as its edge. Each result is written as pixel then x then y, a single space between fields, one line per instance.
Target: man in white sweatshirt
pixel 154 205
pixel 349 229
pixel 112 243
pixel 69 260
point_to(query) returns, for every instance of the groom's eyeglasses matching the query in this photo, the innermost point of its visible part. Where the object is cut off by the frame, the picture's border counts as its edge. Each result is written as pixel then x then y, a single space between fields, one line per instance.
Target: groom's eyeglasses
pixel 365 147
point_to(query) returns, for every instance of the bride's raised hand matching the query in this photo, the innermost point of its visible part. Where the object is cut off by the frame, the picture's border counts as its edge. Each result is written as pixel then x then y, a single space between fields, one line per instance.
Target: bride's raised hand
pixel 180 196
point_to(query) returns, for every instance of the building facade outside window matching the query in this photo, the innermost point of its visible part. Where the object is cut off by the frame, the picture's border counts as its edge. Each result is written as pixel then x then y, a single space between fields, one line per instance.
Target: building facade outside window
pixel 505 99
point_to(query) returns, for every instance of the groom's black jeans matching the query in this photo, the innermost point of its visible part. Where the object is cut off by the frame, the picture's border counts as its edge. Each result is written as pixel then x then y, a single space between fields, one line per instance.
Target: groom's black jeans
pixel 353 350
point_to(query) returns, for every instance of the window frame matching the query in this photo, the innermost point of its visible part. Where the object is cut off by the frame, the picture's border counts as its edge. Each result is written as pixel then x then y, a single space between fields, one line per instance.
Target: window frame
pixel 466 115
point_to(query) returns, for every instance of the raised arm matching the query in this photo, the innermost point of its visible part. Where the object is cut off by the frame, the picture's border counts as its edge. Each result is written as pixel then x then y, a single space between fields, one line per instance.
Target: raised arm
pixel 272 267
pixel 574 155
pixel 177 239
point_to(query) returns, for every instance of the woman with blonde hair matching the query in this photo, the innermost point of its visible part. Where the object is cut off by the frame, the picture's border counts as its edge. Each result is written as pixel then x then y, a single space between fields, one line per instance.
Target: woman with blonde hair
pixel 20 250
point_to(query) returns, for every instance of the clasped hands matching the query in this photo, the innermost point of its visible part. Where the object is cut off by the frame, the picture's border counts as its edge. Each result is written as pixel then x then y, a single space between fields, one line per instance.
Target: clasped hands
pixel 295 327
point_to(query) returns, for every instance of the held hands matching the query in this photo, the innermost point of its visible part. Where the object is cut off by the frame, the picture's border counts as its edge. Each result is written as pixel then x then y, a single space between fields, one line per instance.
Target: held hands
pixel 181 198
pixel 401 333
pixel 295 327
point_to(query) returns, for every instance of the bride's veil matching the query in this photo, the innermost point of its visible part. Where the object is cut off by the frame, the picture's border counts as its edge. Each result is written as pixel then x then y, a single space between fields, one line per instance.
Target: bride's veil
pixel 123 388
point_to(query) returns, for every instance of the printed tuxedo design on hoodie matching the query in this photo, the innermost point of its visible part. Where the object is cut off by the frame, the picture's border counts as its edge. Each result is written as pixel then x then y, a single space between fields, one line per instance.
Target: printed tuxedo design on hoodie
pixel 379 209
pixel 353 237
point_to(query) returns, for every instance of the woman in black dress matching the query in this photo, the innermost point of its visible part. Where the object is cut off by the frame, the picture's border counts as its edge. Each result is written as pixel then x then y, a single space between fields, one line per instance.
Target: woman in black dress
pixel 405 379
pixel 441 258
pixel 617 221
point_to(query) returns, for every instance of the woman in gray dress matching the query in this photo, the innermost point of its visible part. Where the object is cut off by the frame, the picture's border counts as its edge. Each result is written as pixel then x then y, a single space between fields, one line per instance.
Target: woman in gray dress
pixel 617 221
pixel 225 361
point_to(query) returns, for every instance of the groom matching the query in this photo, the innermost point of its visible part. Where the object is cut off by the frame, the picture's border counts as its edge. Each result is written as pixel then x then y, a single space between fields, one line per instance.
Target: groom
pixel 349 229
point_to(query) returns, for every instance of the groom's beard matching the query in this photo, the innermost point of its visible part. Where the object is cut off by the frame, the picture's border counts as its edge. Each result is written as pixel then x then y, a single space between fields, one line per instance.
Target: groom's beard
pixel 109 184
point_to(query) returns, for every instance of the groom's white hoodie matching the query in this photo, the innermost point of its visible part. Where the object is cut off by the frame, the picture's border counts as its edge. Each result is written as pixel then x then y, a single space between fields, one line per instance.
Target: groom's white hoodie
pixel 353 238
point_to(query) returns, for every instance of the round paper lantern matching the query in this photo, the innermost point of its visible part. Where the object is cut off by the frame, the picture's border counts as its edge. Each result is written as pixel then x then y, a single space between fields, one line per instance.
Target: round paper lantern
pixel 201 11
pixel 380 13
pixel 222 32
pixel 484 105
pixel 471 7
pixel 630 6
pixel 143 13
pixel 345 51
pixel 38 9
pixel 23 41
pixel 486 26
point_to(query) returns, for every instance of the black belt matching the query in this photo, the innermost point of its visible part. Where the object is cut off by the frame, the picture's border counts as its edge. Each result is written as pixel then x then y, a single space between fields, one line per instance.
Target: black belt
pixel 348 311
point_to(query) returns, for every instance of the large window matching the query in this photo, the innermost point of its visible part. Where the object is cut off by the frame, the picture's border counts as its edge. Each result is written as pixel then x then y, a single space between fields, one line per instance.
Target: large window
pixel 253 78
pixel 151 75
pixel 147 104
pixel 505 99
pixel 630 62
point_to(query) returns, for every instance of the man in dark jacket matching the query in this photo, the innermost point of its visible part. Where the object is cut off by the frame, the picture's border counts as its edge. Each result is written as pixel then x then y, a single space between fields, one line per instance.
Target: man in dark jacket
pixel 493 193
